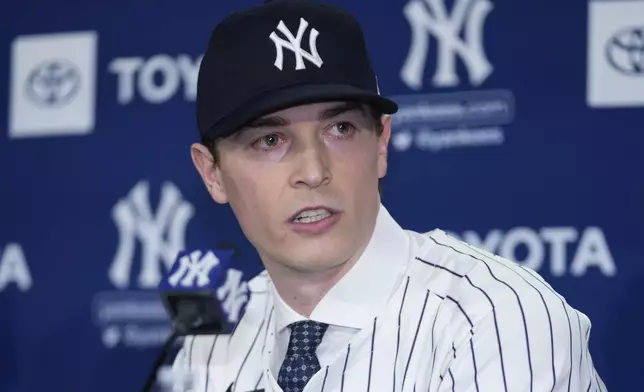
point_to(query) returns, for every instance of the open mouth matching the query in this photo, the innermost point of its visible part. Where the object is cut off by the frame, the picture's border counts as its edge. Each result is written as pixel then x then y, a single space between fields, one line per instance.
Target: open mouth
pixel 312 215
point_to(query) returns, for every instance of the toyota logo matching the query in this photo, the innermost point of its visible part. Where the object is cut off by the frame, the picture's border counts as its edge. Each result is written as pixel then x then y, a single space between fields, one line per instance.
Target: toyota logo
pixel 53 83
pixel 625 51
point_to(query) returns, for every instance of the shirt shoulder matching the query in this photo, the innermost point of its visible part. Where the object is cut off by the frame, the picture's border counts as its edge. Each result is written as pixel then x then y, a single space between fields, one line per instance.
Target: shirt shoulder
pixel 475 283
pixel 503 314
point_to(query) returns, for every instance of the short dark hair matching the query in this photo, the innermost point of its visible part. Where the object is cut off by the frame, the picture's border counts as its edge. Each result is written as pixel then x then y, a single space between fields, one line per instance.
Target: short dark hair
pixel 372 113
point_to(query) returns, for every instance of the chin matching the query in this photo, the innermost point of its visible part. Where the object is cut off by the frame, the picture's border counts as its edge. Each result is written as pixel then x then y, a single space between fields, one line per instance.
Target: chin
pixel 326 251
pixel 315 259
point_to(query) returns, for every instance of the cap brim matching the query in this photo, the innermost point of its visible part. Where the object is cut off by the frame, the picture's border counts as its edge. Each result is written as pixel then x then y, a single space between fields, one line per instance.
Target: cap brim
pixel 298 95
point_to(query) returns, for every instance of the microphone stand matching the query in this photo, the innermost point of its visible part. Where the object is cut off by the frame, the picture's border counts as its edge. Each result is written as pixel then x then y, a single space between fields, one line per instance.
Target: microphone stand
pixel 189 320
pixel 161 358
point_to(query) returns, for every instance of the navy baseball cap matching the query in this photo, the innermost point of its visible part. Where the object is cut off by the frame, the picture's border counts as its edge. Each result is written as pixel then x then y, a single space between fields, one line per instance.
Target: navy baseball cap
pixel 280 54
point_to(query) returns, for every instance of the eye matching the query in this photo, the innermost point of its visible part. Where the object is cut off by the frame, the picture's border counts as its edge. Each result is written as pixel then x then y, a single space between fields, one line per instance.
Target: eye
pixel 344 128
pixel 267 142
pixel 270 140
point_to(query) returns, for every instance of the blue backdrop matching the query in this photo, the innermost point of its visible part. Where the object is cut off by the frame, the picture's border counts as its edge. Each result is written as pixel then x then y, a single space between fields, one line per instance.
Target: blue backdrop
pixel 520 130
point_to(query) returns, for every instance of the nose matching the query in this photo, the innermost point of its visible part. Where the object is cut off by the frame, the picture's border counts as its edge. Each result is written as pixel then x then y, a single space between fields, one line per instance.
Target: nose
pixel 311 166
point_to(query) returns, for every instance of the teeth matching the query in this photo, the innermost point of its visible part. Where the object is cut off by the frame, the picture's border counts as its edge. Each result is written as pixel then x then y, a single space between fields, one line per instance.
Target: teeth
pixel 310 216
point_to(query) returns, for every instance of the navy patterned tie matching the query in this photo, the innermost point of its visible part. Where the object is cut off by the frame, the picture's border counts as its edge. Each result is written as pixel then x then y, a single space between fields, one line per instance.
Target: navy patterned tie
pixel 301 362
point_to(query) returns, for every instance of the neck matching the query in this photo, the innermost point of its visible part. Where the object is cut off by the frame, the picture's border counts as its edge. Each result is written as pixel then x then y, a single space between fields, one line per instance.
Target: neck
pixel 303 290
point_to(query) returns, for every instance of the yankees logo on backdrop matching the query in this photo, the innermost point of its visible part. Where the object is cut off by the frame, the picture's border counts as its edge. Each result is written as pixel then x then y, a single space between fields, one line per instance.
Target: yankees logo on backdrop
pixel 161 234
pixel 294 44
pixel 458 33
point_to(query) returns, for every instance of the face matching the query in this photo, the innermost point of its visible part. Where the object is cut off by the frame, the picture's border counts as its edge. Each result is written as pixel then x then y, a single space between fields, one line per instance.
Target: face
pixel 302 182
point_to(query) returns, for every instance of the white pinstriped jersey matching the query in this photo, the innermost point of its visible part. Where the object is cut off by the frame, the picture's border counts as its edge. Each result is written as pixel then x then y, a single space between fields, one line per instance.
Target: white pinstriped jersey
pixel 461 320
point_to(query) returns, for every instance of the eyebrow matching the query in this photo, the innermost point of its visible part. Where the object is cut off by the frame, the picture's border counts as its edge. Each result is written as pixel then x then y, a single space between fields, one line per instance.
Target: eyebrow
pixel 277 121
pixel 340 109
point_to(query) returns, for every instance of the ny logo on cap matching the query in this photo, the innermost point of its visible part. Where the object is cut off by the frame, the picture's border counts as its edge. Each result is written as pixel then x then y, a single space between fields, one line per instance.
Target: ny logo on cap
pixel 294 45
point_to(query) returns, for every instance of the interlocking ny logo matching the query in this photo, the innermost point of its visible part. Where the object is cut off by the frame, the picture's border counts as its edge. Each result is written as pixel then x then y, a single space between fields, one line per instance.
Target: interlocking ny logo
pixel 233 294
pixel 294 44
pixel 161 236
pixel 430 17
pixel 194 270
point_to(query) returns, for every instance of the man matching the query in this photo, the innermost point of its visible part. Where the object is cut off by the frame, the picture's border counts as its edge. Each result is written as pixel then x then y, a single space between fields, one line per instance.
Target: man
pixel 294 138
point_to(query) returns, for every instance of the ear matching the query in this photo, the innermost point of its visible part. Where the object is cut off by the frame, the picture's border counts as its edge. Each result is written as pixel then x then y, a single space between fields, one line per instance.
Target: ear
pixel 383 145
pixel 209 171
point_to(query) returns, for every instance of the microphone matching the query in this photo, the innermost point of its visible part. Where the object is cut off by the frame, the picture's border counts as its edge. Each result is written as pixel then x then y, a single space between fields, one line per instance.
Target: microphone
pixel 202 294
